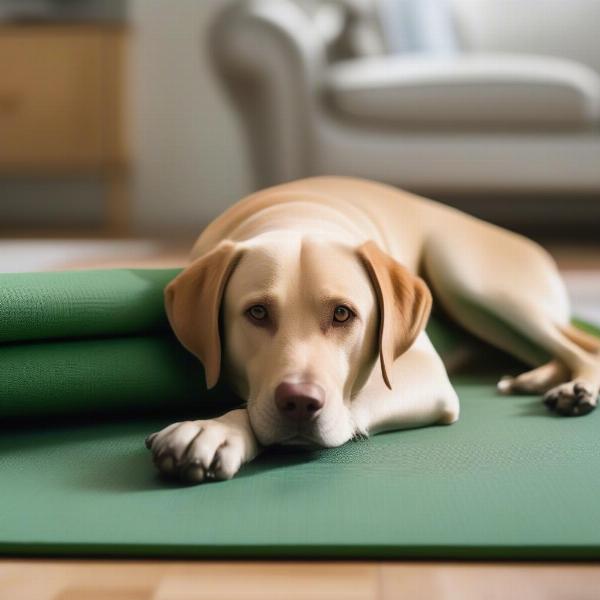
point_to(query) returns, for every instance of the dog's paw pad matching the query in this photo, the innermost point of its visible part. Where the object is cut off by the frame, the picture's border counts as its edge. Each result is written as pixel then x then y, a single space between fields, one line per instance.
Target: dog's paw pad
pixel 572 399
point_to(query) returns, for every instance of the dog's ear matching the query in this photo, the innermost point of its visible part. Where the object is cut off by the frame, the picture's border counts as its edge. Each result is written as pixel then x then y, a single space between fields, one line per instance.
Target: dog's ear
pixel 193 301
pixel 404 304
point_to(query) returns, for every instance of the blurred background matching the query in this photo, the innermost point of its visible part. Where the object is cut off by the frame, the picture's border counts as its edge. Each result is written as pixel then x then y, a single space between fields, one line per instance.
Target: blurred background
pixel 126 126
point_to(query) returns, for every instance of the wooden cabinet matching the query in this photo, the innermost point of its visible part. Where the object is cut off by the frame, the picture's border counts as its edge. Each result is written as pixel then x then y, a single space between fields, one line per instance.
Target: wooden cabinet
pixel 62 106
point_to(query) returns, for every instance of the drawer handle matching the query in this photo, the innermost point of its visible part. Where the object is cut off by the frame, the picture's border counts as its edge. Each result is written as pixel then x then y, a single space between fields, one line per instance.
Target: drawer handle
pixel 9 102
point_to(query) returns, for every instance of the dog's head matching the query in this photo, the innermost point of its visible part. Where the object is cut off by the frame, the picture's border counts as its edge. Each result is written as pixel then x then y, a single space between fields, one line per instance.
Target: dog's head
pixel 297 326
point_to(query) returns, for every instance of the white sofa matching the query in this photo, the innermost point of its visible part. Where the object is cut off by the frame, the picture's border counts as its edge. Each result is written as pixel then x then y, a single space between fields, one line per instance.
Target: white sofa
pixel 514 110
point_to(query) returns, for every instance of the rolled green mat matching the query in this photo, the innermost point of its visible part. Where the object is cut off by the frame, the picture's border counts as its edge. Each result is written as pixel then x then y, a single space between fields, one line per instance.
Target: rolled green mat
pixel 91 342
pixel 98 376
pixel 83 304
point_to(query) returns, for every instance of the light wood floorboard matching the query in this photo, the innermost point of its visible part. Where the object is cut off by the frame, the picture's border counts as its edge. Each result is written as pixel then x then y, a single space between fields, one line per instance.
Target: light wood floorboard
pixel 181 580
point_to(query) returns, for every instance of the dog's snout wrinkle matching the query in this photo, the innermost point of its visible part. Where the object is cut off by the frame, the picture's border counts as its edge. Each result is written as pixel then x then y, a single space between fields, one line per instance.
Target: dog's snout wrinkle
pixel 299 401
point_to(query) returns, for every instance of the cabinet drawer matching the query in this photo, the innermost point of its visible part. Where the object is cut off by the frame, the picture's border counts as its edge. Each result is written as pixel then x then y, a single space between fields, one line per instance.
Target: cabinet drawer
pixel 59 97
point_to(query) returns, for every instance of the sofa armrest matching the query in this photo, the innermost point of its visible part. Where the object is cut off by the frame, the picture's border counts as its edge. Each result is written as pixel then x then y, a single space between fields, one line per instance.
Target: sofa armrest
pixel 472 90
pixel 271 57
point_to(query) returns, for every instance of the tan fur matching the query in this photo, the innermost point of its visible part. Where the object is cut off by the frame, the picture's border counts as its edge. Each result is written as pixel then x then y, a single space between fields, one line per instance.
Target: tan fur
pixel 301 249
pixel 536 381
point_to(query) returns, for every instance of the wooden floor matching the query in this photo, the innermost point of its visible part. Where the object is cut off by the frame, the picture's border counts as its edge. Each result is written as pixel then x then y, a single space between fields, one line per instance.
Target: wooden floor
pixel 568 255
pixel 150 580
pixel 347 580
pixel 171 252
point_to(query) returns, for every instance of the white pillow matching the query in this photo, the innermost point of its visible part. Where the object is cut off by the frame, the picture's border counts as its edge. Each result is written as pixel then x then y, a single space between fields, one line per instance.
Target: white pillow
pixel 418 27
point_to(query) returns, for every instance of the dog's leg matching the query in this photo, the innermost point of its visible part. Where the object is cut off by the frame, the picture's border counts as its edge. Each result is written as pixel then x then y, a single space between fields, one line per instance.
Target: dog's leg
pixel 506 290
pixel 198 451
pixel 536 381
pixel 421 394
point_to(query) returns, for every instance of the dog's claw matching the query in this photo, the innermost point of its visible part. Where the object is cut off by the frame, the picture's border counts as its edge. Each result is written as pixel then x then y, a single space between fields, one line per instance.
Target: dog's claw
pixel 504 386
pixel 149 439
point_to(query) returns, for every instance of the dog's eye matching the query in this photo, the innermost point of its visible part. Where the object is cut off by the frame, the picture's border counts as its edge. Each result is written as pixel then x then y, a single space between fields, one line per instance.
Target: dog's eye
pixel 341 314
pixel 257 312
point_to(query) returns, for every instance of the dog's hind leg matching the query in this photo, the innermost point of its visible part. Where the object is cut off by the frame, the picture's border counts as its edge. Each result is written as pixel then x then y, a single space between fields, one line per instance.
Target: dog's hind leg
pixel 550 374
pixel 536 381
pixel 506 290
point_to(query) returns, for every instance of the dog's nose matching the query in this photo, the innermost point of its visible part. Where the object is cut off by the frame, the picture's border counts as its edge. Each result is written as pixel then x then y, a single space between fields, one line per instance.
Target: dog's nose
pixel 299 401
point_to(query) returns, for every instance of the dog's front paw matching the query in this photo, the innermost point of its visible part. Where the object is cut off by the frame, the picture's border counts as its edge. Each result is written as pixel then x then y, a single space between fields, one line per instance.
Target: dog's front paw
pixel 198 451
pixel 572 399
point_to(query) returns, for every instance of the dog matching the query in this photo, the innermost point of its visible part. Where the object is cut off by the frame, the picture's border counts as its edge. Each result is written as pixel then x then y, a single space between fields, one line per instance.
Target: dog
pixel 311 298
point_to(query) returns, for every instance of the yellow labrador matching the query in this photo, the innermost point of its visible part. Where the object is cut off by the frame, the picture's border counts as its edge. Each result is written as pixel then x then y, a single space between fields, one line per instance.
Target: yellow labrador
pixel 297 292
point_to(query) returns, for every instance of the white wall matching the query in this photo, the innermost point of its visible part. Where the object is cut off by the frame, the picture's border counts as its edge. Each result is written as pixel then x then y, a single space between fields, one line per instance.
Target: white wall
pixel 190 158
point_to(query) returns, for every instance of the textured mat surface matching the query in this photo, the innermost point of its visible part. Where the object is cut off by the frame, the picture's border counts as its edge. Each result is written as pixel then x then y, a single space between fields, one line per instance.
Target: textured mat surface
pixel 97 376
pixel 82 304
pixel 509 480
pixel 81 342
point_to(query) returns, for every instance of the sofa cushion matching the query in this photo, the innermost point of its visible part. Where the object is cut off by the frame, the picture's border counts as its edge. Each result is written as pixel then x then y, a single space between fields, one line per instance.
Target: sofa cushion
pixel 470 91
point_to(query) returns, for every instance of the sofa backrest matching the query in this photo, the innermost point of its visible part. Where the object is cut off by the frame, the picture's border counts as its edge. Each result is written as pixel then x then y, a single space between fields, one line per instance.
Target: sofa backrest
pixel 565 28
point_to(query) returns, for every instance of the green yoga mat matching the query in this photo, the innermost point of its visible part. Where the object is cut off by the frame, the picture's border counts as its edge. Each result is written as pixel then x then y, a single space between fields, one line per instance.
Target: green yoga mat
pixel 97 376
pixel 82 304
pixel 91 342
pixel 509 480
